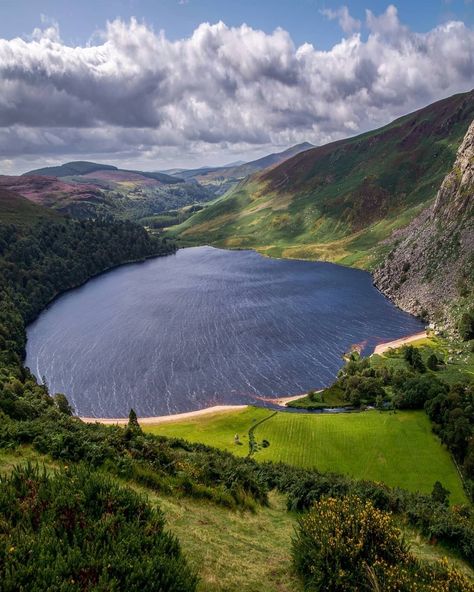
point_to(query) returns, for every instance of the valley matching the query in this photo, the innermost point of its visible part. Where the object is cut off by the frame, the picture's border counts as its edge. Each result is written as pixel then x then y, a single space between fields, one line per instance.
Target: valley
pixel 342 201
pixel 184 329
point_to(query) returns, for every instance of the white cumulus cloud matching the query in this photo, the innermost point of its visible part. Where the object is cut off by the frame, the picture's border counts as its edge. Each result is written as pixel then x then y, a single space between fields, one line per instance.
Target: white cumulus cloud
pixel 134 94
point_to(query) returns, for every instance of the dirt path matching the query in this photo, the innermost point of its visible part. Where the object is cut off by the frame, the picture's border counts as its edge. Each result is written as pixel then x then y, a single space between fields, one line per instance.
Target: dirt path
pixel 383 347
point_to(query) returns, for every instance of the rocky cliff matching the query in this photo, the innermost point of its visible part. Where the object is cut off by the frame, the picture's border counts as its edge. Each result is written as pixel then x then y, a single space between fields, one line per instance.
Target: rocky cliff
pixel 429 270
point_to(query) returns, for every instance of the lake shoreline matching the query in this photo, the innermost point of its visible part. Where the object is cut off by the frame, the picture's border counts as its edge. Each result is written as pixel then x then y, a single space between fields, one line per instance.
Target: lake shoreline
pixel 281 401
pixel 217 409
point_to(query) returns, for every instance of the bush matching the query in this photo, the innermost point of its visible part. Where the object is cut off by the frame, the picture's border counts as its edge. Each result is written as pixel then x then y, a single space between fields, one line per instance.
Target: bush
pixel 339 538
pixel 78 531
pixel 466 325
pixel 413 356
pixel 348 545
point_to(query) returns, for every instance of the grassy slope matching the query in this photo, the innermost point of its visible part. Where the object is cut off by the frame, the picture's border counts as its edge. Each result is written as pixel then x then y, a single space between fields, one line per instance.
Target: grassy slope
pixel 15 209
pixel 398 449
pixel 337 202
pixel 236 551
pixel 457 367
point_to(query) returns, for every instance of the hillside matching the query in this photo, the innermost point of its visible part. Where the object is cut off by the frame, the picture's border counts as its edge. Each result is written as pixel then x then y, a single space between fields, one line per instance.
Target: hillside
pixel 77 519
pixel 82 167
pixel 221 179
pixel 338 202
pixel 431 264
pixel 15 209
pixel 85 190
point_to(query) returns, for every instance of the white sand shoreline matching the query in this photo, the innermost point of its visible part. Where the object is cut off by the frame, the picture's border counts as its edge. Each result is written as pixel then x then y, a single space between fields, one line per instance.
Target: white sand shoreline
pixel 280 401
pixel 165 418
pixel 383 347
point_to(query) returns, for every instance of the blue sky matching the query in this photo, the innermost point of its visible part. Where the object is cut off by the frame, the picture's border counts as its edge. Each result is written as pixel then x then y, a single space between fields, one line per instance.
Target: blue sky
pixel 168 83
pixel 78 19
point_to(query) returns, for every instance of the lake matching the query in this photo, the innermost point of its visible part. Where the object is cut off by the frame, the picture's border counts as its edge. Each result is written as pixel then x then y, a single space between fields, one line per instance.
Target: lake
pixel 205 327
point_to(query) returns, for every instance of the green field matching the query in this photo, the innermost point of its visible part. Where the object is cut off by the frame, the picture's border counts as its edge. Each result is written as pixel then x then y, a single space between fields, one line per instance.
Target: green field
pixel 398 449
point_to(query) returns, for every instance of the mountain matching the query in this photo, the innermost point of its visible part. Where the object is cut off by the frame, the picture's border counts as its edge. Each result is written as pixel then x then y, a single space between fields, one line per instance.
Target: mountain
pixel 224 178
pixel 431 262
pixel 107 171
pixel 86 189
pixel 340 201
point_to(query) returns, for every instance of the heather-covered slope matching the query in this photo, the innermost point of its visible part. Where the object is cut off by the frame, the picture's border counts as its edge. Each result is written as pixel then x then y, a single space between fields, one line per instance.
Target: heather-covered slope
pixel 431 264
pixel 82 167
pixel 15 209
pixel 340 201
pixel 88 190
pixel 221 179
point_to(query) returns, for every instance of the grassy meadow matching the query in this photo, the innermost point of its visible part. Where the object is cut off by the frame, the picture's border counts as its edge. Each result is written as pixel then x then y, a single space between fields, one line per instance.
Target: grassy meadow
pixel 231 550
pixel 398 449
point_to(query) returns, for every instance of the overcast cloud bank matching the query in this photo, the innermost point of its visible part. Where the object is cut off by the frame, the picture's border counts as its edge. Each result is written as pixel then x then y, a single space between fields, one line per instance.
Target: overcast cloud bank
pixel 136 96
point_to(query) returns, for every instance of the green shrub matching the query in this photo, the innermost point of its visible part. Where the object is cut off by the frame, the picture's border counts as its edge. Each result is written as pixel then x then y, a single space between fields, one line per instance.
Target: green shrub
pixel 348 545
pixel 466 325
pixel 339 538
pixel 76 530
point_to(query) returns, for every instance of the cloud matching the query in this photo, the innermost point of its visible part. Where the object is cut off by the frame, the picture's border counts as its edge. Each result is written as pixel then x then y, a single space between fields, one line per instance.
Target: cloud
pixel 135 94
pixel 347 23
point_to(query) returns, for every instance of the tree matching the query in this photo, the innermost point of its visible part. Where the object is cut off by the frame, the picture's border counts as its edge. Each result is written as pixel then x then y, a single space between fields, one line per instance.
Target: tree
pixel 440 494
pixel 63 404
pixel 414 359
pixel 432 362
pixel 133 420
pixel 466 325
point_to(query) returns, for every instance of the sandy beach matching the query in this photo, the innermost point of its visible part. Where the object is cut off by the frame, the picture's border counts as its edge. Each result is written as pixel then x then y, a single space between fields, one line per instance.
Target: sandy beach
pixel 281 401
pixel 165 418
pixel 383 347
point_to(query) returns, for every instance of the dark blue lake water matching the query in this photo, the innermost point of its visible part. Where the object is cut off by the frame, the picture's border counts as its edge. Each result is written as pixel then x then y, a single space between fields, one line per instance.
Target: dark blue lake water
pixel 206 327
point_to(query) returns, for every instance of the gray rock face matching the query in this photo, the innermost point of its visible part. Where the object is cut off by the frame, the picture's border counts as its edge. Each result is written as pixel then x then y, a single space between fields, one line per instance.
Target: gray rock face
pixel 431 263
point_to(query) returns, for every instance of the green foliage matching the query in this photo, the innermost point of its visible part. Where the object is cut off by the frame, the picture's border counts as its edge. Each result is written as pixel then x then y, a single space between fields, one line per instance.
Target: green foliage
pixel 338 538
pixel 439 494
pixel 432 362
pixel 466 325
pixel 62 404
pixel 363 390
pixel 133 420
pixel 76 530
pixel 453 526
pixel 451 412
pixel 412 392
pixel 348 545
pixel 413 356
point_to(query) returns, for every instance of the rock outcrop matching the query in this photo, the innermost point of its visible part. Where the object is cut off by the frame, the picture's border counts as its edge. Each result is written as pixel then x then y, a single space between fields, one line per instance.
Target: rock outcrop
pixel 430 269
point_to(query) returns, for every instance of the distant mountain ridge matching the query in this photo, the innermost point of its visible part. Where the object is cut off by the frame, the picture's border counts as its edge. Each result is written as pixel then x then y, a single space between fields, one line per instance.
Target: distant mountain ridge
pixel 87 189
pixel 340 201
pixel 84 167
pixel 223 178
